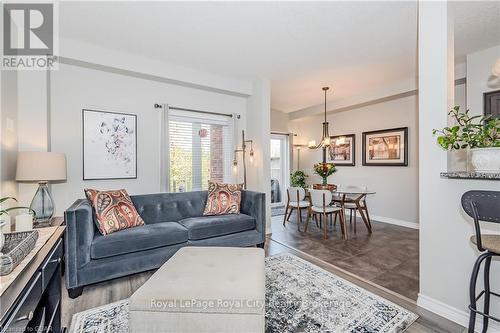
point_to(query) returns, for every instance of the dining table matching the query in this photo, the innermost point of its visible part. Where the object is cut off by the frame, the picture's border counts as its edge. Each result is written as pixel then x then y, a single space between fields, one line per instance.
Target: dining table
pixel 353 195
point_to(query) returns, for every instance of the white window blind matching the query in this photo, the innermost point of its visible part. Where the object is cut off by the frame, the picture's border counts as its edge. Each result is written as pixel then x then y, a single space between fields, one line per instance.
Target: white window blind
pixel 200 149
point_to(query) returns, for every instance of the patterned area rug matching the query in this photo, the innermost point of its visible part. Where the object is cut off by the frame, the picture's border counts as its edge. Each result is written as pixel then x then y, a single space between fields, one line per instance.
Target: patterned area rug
pixel 277 211
pixel 300 297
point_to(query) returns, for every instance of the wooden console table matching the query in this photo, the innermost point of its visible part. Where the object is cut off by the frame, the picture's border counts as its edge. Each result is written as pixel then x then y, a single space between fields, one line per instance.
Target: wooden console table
pixel 32 301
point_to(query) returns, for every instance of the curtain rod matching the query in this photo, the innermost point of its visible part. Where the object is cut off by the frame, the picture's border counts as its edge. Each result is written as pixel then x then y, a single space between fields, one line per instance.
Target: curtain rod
pixel 281 133
pixel 159 106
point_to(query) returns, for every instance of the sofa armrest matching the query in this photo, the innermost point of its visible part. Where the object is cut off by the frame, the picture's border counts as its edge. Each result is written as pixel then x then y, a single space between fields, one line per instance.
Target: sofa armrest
pixel 79 235
pixel 254 204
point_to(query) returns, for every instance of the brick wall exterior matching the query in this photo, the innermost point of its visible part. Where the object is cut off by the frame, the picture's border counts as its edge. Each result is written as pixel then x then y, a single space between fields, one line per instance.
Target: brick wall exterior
pixel 216 154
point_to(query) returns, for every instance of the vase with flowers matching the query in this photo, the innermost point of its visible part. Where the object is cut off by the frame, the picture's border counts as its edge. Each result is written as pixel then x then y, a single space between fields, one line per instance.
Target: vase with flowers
pixel 324 170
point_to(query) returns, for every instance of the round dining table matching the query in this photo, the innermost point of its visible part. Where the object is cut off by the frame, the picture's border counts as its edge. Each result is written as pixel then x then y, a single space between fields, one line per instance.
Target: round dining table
pixel 354 195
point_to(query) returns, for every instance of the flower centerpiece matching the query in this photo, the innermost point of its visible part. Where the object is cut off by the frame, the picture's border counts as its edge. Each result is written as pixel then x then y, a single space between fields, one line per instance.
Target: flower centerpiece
pixel 324 170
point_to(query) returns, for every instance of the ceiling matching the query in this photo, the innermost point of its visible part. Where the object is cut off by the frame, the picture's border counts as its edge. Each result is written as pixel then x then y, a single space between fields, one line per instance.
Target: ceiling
pixel 353 47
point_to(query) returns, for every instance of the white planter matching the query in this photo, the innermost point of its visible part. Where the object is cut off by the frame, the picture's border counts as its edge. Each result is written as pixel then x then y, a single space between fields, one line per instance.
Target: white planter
pixel 485 159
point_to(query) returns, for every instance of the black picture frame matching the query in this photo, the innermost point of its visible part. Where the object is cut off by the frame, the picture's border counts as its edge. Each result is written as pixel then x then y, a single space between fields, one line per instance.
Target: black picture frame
pixel 333 139
pixel 367 135
pixel 491 100
pixel 86 177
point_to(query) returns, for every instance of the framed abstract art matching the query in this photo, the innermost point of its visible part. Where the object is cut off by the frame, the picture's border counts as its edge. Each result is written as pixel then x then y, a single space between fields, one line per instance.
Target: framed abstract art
pixel 386 147
pixel 342 150
pixel 109 145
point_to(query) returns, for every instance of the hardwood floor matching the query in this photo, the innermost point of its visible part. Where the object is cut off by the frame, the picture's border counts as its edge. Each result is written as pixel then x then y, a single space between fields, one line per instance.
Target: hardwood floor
pixel 112 291
pixel 387 257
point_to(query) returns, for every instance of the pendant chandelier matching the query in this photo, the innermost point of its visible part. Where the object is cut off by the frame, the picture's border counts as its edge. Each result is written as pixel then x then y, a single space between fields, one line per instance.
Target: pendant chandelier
pixel 325 140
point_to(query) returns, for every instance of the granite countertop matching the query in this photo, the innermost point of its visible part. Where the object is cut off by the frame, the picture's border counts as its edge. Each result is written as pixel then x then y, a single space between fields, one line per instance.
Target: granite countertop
pixel 471 175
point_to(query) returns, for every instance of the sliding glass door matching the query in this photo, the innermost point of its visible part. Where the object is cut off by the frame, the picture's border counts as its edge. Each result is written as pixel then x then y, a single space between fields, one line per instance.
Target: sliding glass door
pixel 280 168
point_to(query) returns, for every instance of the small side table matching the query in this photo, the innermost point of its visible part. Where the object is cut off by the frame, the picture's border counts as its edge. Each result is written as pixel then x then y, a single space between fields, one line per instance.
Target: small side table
pixel 33 299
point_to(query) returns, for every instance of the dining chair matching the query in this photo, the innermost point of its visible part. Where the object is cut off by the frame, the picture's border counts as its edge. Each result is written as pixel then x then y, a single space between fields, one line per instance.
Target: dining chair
pixel 321 206
pixel 482 206
pixel 354 202
pixel 296 200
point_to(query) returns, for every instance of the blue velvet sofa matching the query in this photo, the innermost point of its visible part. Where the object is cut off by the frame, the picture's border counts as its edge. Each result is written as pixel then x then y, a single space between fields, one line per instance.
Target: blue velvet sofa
pixel 172 220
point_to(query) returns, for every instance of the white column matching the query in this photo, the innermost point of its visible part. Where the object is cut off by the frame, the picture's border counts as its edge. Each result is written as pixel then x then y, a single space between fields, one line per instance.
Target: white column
pixel 258 124
pixel 446 255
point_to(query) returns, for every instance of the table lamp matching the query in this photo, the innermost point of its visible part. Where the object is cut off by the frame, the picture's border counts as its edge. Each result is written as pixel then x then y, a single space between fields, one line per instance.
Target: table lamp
pixel 41 167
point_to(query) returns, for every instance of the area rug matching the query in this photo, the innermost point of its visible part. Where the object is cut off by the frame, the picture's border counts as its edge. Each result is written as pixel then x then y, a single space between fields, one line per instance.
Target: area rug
pixel 300 297
pixel 278 210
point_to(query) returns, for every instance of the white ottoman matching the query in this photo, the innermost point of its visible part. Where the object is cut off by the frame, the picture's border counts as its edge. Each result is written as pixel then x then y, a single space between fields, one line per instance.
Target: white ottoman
pixel 203 289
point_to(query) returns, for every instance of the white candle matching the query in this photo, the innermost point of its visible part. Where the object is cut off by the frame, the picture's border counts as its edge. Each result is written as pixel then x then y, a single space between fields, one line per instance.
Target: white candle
pixel 24 222
pixel 6 227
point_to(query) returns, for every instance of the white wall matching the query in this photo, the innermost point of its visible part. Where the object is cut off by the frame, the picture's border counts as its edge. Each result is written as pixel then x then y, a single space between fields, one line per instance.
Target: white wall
pixel 279 121
pixel 479 77
pixel 74 88
pixel 396 199
pixel 446 255
pixel 8 134
pixel 259 130
pixel 49 111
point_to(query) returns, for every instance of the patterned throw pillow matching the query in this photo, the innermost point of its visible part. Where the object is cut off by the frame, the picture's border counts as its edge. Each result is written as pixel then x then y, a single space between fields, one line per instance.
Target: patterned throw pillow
pixel 114 210
pixel 223 199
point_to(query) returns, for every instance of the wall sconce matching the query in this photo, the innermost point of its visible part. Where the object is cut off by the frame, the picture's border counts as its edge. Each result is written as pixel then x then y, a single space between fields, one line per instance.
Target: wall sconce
pixel 243 150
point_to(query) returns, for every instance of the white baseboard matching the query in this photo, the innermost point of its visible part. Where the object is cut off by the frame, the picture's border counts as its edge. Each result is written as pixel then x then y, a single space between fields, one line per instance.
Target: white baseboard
pixel 458 316
pixel 390 220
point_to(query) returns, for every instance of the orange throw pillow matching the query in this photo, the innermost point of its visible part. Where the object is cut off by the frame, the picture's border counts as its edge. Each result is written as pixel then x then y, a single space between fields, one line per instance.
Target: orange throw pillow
pixel 114 210
pixel 223 199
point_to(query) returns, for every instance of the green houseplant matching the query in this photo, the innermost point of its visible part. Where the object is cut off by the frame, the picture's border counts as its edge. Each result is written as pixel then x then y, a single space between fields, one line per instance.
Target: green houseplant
pixel 479 134
pixel 298 178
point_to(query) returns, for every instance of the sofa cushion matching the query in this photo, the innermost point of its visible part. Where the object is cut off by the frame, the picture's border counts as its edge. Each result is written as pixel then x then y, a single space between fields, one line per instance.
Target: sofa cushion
pixel 219 225
pixel 131 240
pixel 223 199
pixel 114 210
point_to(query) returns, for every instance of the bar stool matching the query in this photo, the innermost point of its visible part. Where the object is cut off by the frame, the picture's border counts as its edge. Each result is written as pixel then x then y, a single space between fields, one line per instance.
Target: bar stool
pixel 482 206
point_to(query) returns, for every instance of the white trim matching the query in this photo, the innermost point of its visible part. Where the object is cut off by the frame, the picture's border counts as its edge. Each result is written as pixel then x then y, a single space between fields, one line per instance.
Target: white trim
pixel 458 316
pixel 389 220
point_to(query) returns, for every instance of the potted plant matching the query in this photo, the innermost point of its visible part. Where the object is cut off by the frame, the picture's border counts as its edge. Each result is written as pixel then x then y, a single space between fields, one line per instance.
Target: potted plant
pixel 479 134
pixel 298 178
pixel 324 170
pixel 5 211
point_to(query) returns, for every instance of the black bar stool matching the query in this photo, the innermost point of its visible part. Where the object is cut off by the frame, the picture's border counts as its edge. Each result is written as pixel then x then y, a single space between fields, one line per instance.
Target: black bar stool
pixel 482 206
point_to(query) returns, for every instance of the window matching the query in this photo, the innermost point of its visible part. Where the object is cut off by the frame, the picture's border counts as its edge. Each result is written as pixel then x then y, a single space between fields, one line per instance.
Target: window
pixel 200 149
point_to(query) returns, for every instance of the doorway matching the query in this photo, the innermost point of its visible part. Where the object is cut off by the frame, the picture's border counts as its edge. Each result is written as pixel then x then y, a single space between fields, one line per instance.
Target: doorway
pixel 280 168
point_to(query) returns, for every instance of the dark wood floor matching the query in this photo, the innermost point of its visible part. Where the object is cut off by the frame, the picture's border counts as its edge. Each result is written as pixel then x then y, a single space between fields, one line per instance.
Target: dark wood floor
pixel 388 257
pixel 118 289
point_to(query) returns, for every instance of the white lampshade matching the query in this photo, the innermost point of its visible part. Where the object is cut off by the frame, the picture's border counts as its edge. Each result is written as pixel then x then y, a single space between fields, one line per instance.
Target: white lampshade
pixel 40 166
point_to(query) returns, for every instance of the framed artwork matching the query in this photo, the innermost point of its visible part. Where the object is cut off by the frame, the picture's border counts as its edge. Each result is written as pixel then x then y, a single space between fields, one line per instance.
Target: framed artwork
pixel 342 150
pixel 109 145
pixel 492 104
pixel 386 147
